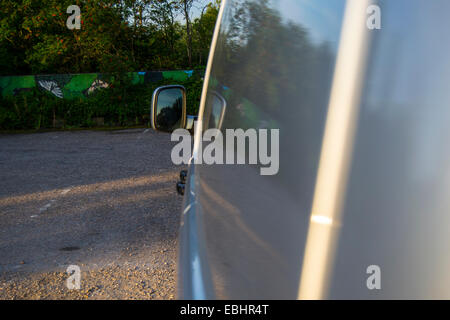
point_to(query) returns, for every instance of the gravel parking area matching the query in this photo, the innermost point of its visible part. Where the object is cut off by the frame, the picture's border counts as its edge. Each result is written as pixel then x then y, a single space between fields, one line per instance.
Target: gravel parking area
pixel 104 201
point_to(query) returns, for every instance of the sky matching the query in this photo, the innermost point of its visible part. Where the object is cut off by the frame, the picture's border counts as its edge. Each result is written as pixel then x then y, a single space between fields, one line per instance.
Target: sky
pixel 321 17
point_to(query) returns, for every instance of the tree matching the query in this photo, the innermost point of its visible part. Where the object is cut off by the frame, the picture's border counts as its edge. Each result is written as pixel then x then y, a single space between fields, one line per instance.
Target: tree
pixel 186 8
pixel 115 35
pixel 38 30
pixel 203 28
pixel 162 15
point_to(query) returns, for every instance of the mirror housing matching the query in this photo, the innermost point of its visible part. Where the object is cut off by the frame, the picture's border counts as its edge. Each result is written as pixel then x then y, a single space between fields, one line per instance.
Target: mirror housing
pixel 190 121
pixel 168 109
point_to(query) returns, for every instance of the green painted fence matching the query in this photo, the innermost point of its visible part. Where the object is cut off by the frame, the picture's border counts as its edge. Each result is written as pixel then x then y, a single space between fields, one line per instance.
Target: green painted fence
pixel 70 86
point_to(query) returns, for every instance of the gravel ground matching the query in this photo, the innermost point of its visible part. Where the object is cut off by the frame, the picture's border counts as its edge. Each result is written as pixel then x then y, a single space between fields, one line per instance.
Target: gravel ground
pixel 102 200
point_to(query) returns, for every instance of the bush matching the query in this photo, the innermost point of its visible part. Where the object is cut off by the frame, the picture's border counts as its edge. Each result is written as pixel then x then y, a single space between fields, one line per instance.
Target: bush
pixel 123 104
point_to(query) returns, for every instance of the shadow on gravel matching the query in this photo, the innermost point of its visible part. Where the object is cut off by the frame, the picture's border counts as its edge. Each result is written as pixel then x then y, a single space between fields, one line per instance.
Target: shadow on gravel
pixel 94 199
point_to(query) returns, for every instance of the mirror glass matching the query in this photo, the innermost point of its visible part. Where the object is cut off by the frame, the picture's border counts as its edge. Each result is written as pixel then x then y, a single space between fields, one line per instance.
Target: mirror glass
pixel 215 111
pixel 169 109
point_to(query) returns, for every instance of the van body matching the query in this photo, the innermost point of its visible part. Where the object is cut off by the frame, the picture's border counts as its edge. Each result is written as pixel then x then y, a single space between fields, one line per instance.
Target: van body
pixel 360 206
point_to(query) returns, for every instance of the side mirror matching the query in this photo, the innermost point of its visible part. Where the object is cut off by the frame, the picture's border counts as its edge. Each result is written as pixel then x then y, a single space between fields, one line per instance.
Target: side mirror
pixel 168 110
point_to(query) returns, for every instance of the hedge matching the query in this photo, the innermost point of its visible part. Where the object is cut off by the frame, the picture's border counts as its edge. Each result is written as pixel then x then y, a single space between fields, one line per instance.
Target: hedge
pixel 124 104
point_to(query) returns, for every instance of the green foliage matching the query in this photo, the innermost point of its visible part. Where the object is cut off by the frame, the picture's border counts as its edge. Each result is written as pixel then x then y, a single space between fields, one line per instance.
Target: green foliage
pixel 115 36
pixel 203 28
pixel 124 104
pixel 194 88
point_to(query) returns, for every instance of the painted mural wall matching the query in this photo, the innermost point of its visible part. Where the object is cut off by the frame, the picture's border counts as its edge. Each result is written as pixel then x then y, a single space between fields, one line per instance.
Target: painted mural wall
pixel 70 86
